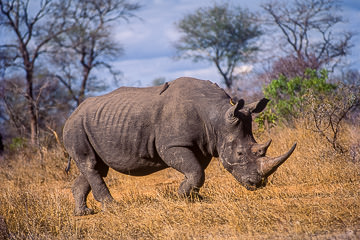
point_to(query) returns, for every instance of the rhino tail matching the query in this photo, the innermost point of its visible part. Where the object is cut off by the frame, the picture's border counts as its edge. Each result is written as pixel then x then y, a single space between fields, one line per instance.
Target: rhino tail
pixel 67 169
pixel 66 155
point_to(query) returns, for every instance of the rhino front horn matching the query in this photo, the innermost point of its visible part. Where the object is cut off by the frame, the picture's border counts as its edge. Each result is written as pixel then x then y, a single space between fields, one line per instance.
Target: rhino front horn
pixel 269 165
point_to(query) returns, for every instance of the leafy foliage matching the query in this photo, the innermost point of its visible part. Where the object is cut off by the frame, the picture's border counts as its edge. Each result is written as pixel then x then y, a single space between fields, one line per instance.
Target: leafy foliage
pixel 17 144
pixel 288 95
pixel 266 118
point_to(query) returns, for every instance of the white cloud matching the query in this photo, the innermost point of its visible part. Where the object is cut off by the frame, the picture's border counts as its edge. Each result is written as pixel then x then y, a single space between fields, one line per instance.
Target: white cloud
pixel 206 73
pixel 143 71
pixel 243 69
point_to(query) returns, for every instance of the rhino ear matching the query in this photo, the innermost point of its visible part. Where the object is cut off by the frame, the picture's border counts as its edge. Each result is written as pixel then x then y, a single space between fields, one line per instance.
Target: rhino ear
pixel 257 107
pixel 238 106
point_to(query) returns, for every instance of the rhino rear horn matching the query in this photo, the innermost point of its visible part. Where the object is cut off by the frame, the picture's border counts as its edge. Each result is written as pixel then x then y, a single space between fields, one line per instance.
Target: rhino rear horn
pixel 260 149
pixel 269 165
pixel 264 147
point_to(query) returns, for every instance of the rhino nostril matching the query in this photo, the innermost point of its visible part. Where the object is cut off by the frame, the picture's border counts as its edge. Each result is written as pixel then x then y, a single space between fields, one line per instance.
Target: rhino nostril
pixel 250 187
pixel 260 153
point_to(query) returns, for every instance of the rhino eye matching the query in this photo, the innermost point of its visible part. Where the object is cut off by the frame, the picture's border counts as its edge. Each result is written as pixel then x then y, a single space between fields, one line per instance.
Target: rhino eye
pixel 240 153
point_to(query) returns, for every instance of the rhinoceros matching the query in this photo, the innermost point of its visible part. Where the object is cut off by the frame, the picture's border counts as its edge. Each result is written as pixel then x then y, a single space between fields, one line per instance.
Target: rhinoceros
pixel 182 124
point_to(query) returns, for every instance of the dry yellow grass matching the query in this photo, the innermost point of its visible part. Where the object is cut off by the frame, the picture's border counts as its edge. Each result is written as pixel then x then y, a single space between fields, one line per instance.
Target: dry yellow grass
pixel 315 194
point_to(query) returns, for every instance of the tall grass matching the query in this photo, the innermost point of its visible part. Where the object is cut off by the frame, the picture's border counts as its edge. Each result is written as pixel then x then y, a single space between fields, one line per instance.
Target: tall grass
pixel 315 194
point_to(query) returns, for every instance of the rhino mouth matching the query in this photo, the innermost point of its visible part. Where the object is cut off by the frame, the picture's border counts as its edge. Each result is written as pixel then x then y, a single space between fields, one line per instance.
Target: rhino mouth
pixel 251 183
pixel 259 185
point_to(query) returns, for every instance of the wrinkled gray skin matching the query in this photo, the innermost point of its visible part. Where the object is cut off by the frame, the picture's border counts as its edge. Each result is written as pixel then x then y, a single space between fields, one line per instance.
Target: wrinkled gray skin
pixel 139 131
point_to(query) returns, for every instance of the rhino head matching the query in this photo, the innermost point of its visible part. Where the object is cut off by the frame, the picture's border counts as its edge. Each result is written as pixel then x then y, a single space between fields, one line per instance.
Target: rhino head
pixel 240 154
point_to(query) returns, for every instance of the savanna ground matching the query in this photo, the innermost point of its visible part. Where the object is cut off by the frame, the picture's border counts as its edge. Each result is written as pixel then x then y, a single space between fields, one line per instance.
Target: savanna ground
pixel 314 195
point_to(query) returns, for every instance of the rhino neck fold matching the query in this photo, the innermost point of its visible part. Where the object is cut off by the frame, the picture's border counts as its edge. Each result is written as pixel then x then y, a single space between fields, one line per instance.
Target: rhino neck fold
pixel 211 139
pixel 214 127
pixel 211 117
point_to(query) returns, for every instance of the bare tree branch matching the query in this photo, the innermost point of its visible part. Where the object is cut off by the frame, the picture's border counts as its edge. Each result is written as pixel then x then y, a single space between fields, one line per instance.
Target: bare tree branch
pixel 301 22
pixel 86 46
pixel 31 37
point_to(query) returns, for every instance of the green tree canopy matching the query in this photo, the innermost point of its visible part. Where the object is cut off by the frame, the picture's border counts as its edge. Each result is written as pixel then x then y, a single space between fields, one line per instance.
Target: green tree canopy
pixel 219 34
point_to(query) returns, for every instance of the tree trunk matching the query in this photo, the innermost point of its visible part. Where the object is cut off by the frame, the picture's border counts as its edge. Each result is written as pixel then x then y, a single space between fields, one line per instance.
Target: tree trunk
pixel 30 105
pixel 81 97
pixel 227 80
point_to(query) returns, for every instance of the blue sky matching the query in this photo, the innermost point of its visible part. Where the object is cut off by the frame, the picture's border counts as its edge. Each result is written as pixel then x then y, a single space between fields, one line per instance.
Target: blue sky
pixel 148 41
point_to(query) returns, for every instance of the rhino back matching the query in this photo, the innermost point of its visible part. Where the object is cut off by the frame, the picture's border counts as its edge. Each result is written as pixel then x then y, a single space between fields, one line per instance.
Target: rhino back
pixel 130 127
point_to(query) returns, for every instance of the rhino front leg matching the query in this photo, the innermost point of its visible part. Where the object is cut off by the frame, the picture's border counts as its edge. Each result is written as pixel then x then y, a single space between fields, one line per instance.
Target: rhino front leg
pixel 183 160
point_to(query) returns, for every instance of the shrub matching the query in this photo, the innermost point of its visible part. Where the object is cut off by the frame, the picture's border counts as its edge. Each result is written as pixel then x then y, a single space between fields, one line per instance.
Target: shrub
pixel 17 143
pixel 287 95
pixel 323 105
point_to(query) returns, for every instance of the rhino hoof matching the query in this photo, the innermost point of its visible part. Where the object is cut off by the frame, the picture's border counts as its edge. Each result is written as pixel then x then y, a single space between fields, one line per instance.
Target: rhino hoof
pixel 83 212
pixel 110 205
pixel 196 198
pixel 193 197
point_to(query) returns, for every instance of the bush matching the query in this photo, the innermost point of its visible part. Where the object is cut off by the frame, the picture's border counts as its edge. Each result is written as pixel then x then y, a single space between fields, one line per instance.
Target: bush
pixel 17 143
pixel 323 105
pixel 287 95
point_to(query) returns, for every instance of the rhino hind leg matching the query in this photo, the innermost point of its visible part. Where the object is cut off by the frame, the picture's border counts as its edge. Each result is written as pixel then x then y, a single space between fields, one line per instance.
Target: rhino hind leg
pixel 184 160
pixel 95 177
pixel 80 190
pixel 93 170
